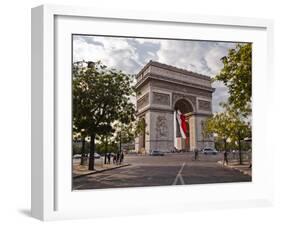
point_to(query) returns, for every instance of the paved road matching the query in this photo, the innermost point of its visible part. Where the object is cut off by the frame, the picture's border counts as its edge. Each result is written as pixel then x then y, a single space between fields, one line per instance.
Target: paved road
pixel 171 169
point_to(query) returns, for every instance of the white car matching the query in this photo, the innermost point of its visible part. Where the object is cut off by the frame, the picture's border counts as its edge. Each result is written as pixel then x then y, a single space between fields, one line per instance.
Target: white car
pixel 211 151
pixel 156 153
pixel 96 155
pixel 76 156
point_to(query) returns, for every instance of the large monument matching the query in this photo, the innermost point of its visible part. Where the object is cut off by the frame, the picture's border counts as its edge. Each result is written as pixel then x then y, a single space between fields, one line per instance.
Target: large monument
pixel 163 91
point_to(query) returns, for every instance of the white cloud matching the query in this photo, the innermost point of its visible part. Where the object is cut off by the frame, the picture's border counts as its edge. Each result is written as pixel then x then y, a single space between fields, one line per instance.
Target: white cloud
pixel 131 54
pixel 198 56
pixel 114 52
pixel 145 40
pixel 220 95
pixel 201 57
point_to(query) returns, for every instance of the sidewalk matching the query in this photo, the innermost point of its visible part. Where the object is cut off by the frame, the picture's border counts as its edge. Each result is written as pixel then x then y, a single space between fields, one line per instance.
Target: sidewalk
pixel 234 164
pixel 79 171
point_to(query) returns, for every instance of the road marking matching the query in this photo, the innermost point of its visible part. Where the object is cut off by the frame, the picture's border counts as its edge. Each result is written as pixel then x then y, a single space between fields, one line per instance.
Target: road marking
pixel 179 176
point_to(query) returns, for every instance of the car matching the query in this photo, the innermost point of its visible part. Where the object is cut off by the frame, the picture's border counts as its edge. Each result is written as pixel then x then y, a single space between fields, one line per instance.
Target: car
pixel 97 156
pixel 207 151
pixel 156 153
pixel 76 156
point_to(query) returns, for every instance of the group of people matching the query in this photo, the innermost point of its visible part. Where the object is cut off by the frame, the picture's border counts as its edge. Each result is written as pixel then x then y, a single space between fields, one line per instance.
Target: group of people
pixel 117 159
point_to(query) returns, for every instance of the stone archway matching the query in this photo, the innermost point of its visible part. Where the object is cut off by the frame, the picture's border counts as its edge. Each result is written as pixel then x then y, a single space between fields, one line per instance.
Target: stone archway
pixel 161 89
pixel 186 108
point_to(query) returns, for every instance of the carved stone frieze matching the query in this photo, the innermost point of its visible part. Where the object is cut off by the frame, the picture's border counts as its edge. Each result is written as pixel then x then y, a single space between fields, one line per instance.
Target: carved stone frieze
pixel 180 88
pixel 161 98
pixel 161 126
pixel 143 101
pixel 204 105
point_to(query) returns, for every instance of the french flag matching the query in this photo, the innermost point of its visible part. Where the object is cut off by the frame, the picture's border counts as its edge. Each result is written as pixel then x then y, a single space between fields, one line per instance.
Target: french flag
pixel 180 120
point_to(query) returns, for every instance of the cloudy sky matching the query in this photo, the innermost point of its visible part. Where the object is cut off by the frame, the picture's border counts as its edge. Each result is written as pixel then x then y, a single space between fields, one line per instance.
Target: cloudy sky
pixel 131 54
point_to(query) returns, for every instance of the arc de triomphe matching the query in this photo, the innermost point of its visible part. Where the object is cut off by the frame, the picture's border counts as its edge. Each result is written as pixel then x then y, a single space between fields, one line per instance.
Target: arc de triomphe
pixel 162 89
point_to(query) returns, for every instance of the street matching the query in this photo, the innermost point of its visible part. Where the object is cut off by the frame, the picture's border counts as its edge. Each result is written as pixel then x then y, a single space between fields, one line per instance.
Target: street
pixel 171 169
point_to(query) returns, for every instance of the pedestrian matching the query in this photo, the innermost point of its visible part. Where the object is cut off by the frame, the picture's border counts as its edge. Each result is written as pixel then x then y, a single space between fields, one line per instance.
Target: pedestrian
pixel 121 157
pixel 114 158
pixel 118 158
pixel 225 159
pixel 108 158
pixel 196 154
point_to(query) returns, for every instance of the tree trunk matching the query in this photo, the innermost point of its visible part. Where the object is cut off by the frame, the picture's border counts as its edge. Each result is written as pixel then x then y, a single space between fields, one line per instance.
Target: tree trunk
pixel 240 152
pixel 82 162
pixel 224 141
pixel 105 154
pixel 92 153
pixel 120 144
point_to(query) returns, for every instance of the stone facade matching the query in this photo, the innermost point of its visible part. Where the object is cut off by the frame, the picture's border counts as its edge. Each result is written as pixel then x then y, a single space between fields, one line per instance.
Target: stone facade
pixel 204 105
pixel 161 98
pixel 162 88
pixel 143 101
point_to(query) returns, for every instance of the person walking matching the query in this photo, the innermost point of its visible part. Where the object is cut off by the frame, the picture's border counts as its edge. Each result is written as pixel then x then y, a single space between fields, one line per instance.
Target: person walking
pixel 108 158
pixel 225 159
pixel 196 152
pixel 121 157
pixel 118 158
pixel 114 158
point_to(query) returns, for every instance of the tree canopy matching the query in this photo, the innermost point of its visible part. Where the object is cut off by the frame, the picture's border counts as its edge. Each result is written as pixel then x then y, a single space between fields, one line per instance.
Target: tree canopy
pixel 236 74
pixel 101 96
pixel 228 126
pixel 233 123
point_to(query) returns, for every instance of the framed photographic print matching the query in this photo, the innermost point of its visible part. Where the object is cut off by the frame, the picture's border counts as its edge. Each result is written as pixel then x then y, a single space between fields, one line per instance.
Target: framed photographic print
pixel 158 113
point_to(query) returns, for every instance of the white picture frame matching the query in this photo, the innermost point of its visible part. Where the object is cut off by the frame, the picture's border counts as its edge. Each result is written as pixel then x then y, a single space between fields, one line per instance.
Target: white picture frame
pixel 52 196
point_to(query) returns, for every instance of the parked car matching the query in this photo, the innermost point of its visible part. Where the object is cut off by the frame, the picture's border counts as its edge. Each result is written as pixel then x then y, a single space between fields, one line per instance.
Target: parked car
pixel 97 156
pixel 211 151
pixel 76 156
pixel 156 153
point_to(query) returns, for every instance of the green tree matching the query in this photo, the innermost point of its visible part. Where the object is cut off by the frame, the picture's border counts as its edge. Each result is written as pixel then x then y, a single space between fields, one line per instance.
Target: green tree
pixel 108 146
pixel 101 96
pixel 239 129
pixel 218 126
pixel 125 134
pixel 236 74
pixel 228 126
pixel 104 139
pixel 140 127
pixel 79 118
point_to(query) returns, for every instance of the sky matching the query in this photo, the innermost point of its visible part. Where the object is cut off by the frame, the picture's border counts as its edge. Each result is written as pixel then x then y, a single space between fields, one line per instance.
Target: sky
pixel 131 54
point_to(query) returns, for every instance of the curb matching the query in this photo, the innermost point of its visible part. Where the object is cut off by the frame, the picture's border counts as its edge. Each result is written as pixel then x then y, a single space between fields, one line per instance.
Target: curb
pixel 100 171
pixel 234 168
